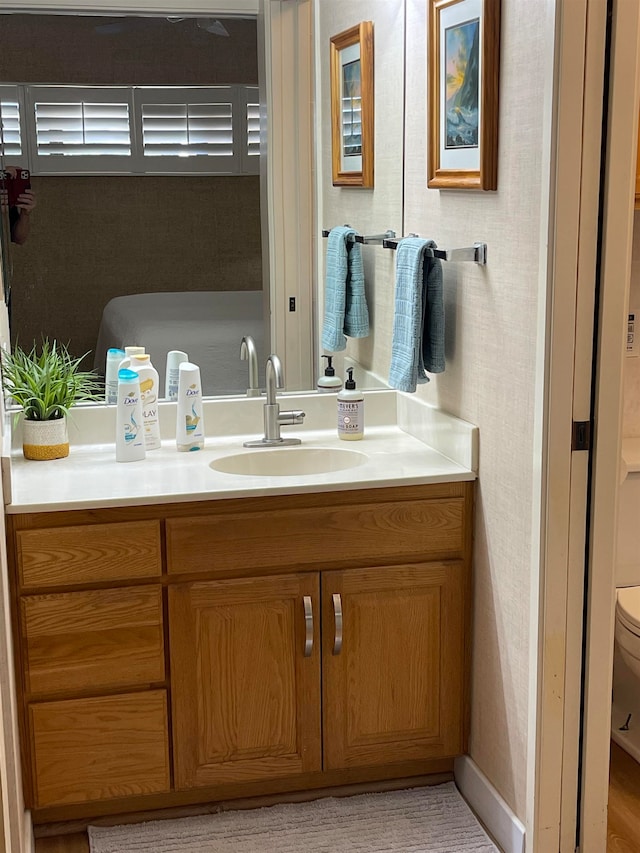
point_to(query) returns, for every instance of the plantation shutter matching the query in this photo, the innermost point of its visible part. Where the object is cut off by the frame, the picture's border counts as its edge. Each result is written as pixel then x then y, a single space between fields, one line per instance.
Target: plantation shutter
pixel 11 145
pixel 188 130
pixel 81 130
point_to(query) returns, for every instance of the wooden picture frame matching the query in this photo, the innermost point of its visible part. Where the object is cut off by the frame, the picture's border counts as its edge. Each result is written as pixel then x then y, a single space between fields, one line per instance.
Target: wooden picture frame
pixel 352 128
pixel 463 77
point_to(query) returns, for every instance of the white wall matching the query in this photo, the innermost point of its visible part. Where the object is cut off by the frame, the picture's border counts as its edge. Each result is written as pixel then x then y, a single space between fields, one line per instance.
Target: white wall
pixel 369 211
pixel 490 377
pixel 491 330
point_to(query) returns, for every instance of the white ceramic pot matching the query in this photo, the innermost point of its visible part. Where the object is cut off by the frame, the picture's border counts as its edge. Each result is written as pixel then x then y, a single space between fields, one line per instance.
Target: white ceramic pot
pixel 45 439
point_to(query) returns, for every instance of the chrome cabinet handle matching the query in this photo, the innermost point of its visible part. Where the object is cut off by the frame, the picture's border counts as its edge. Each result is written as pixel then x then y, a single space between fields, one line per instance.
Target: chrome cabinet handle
pixel 308 625
pixel 337 617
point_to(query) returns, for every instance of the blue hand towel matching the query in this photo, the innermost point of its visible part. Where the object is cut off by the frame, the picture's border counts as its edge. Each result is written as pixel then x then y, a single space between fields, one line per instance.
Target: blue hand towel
pixel 417 343
pixel 345 304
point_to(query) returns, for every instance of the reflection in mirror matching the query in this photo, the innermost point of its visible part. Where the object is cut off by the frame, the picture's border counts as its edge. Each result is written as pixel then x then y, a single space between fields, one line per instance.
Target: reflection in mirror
pixel 142 253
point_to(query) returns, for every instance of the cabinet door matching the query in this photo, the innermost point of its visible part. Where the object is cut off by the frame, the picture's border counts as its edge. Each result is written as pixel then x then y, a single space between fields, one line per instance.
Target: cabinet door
pixel 394 687
pixel 245 674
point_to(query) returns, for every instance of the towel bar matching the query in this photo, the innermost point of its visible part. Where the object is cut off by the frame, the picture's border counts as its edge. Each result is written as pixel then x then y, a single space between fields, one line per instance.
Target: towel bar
pixel 367 239
pixel 476 253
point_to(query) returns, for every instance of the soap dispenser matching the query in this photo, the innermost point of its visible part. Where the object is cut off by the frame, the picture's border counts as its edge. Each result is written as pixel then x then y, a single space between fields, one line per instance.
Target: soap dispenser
pixel 350 410
pixel 329 382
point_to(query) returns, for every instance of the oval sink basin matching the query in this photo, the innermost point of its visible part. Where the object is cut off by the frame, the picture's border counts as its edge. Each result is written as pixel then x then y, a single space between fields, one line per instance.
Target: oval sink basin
pixel 289 462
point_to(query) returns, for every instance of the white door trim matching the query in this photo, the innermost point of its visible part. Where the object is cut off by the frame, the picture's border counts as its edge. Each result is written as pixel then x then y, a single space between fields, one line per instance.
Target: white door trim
pixel 617 240
pixel 565 396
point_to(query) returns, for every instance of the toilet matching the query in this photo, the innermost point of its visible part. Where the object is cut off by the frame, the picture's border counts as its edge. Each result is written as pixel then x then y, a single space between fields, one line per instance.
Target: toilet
pixel 625 715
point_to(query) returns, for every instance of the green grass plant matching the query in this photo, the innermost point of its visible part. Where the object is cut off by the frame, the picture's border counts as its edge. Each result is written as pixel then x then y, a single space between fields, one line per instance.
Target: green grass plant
pixel 48 382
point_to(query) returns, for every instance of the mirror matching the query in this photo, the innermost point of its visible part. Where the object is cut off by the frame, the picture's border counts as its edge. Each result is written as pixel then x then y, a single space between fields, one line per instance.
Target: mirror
pixel 193 240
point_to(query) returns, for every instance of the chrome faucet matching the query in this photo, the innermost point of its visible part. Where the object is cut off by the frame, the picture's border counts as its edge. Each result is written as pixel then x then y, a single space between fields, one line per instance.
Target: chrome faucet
pixel 249 353
pixel 273 417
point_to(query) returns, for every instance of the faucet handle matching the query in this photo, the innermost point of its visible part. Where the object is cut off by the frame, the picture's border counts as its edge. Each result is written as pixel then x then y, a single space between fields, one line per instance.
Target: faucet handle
pixel 293 417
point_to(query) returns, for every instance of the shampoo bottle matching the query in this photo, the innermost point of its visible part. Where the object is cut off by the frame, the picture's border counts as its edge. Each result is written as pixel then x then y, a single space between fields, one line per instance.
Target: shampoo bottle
pixel 190 420
pixel 350 411
pixel 329 382
pixel 114 357
pixel 174 359
pixel 148 376
pixel 129 429
pixel 128 353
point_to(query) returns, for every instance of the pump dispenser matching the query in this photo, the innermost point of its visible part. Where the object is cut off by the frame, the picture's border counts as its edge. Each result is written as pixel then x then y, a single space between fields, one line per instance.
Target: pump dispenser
pixel 350 411
pixel 329 382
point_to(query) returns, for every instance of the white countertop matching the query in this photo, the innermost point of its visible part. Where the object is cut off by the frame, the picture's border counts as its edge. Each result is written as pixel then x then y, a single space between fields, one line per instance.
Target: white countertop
pixel 396 452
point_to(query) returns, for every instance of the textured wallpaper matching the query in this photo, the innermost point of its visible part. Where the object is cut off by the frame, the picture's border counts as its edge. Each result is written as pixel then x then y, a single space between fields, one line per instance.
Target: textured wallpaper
pixel 491 333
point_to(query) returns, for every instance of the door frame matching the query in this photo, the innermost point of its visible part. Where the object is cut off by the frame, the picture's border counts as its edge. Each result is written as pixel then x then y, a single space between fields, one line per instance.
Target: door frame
pixel 579 490
pixel 566 325
pixel 616 249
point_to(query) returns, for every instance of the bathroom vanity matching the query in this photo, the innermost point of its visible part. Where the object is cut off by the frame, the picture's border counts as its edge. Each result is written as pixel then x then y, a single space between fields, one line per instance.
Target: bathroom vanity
pixel 302 632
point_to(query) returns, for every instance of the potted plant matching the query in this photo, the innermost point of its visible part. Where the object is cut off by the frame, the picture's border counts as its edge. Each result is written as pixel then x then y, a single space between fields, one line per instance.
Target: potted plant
pixel 46 385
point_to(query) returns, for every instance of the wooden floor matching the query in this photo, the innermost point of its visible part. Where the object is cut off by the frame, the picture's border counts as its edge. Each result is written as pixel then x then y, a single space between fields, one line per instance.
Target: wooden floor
pixel 623 828
pixel 624 803
pixel 63 844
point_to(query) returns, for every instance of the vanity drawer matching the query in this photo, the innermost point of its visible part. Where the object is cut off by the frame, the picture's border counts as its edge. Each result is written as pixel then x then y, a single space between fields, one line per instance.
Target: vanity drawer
pixel 64 556
pixel 316 536
pixel 96 749
pixel 96 640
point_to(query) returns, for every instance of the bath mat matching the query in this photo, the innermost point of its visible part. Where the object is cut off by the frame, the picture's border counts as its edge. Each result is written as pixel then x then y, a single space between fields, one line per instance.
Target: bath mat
pixel 419 820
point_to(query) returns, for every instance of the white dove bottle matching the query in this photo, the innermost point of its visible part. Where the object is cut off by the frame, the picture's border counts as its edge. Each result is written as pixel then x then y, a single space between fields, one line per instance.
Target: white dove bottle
pixel 190 418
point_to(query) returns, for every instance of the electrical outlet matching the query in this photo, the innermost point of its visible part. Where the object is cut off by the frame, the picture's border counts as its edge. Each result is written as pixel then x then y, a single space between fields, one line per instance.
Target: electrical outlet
pixel 633 334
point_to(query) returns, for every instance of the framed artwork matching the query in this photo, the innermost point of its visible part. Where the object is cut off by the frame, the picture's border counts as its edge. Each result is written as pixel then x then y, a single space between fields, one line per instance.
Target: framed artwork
pixel 463 75
pixel 351 64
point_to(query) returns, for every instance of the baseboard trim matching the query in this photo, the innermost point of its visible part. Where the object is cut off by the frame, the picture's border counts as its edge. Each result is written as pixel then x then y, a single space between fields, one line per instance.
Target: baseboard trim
pixel 507 830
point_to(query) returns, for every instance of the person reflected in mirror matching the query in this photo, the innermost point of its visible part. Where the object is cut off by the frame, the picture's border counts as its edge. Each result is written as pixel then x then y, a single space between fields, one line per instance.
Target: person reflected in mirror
pixel 20 213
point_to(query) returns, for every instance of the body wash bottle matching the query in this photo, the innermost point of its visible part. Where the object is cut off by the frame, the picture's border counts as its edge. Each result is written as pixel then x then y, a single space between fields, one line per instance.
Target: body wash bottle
pixel 350 410
pixel 174 359
pixel 129 429
pixel 148 376
pixel 114 357
pixel 190 419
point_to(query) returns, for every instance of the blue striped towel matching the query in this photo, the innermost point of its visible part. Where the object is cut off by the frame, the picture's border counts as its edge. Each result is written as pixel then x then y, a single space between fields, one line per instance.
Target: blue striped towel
pixel 417 343
pixel 345 303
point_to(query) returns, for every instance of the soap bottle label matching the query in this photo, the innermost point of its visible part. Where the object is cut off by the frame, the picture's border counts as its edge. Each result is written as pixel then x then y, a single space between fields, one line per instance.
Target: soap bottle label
pixel 350 417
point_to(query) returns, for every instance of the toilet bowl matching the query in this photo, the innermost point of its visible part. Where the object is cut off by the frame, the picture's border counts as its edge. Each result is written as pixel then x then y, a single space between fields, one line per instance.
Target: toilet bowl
pixel 625 713
pixel 628 627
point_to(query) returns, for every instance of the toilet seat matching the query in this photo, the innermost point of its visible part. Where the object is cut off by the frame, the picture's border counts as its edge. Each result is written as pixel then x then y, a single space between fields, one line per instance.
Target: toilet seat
pixel 628 608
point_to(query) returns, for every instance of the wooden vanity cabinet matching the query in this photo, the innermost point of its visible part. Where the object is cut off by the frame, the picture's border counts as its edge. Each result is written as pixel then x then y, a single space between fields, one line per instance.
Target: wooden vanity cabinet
pixel 227 648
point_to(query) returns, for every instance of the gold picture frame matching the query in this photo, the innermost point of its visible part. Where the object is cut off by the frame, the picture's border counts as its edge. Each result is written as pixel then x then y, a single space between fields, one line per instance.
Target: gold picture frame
pixel 352 127
pixel 463 77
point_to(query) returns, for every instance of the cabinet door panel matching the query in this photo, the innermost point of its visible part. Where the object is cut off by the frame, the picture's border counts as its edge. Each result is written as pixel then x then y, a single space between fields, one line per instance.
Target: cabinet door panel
pixel 246 701
pixel 394 692
pixel 99 748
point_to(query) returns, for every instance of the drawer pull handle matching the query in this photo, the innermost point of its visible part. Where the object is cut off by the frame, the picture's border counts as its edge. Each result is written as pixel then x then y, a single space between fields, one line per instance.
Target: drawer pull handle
pixel 337 616
pixel 308 625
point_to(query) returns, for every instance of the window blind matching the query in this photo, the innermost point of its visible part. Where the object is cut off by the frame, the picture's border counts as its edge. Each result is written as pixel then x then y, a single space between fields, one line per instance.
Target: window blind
pixel 11 137
pixel 82 128
pixel 253 130
pixel 187 130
